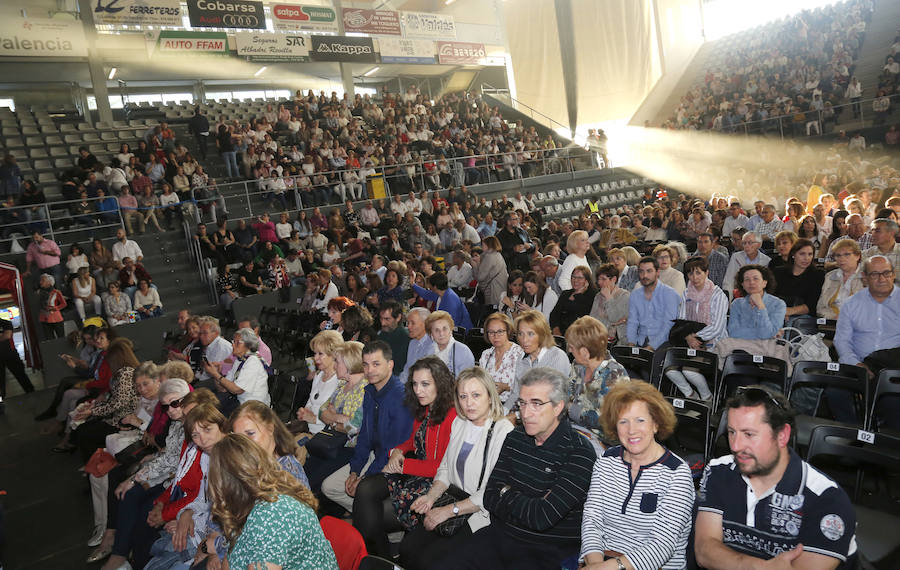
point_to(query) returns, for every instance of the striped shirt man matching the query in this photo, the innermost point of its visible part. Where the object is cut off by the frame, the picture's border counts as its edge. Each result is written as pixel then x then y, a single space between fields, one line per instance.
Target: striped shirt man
pixel 648 519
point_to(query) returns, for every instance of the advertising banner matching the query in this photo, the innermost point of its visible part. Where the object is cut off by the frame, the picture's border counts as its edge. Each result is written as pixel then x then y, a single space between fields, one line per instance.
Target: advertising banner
pixel 377 22
pixel 226 14
pixel 138 13
pixel 296 17
pixel 342 48
pixel 429 26
pixel 177 42
pixel 397 50
pixel 460 53
pixel 39 37
pixel 268 47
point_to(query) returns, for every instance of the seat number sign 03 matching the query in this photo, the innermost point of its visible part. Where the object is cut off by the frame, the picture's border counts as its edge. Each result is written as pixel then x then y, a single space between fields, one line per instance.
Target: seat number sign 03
pixel 226 14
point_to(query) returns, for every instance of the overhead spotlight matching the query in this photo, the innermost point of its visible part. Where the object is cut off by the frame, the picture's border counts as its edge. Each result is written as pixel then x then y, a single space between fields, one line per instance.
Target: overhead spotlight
pixel 112 73
pixel 371 71
pixel 448 2
pixel 259 71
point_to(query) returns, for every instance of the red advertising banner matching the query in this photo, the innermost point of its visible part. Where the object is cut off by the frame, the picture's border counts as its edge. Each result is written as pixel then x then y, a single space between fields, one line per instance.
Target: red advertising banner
pixel 460 53
pixel 378 22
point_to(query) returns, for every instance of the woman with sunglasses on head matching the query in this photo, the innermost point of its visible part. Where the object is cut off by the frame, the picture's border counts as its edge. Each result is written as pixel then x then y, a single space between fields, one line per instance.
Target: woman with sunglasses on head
pixel 501 359
pixel 131 499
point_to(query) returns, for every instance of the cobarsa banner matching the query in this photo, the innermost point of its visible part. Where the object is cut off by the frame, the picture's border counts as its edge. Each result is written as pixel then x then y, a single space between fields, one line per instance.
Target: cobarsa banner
pixel 226 14
pixel 342 48
pixel 269 47
pixel 297 17
pixel 39 37
pixel 138 13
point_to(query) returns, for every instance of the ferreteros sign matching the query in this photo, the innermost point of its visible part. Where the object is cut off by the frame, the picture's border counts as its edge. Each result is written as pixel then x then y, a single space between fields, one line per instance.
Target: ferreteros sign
pixel 138 13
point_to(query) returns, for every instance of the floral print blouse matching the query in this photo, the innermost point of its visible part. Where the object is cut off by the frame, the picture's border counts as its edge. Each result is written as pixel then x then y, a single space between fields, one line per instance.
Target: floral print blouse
pixel 505 371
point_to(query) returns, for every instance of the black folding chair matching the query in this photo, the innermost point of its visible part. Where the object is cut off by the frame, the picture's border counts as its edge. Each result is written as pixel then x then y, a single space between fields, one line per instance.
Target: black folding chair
pixel 843 387
pixel 637 361
pixel 692 434
pixel 741 369
pixel 560 342
pixel 679 359
pixel 887 387
pixel 834 449
pixel 475 341
pixel 459 334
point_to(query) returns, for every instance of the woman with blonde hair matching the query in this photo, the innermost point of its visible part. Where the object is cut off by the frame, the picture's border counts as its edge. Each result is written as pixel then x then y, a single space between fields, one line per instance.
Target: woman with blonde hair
pixel 577 247
pixel 501 359
pixel 842 282
pixel 266 515
pixel 476 438
pixel 342 414
pixel 324 378
pixel 622 261
pixel 456 355
pixel 536 340
pixel 665 256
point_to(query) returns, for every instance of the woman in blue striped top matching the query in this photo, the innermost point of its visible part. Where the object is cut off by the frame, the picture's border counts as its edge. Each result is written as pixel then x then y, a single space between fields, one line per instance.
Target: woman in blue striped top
pixel 638 510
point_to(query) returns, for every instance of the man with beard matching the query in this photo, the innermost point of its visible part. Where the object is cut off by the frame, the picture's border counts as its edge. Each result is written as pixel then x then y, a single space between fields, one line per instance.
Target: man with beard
pixel 764 503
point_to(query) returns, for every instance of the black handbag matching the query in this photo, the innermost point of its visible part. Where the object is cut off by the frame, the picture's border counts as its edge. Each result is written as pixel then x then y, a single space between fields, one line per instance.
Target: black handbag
pixel 134 453
pixel 327 443
pixel 454 494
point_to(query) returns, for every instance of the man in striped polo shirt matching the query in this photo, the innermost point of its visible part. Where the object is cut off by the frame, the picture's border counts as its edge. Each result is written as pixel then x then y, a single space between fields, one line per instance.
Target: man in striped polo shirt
pixel 536 493
pixel 764 503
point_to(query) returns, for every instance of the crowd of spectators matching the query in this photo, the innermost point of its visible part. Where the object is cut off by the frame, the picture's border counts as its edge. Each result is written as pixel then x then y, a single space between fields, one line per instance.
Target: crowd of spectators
pixel 398 427
pixel 796 74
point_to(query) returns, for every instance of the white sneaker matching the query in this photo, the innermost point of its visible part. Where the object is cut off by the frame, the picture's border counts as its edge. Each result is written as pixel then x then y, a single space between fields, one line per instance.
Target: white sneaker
pixel 97 537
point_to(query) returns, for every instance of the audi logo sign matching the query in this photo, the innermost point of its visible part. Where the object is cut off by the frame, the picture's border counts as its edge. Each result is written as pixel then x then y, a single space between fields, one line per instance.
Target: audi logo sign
pixel 226 14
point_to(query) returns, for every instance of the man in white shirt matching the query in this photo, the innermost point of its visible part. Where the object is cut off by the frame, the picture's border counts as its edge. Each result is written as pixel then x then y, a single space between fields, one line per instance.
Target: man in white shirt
pixel 467 232
pixel 519 203
pixel 369 216
pixel 125 247
pixel 737 219
pixel 398 207
pixel 413 205
pixel 770 225
pixel 749 255
pixel 460 273
pixel 215 350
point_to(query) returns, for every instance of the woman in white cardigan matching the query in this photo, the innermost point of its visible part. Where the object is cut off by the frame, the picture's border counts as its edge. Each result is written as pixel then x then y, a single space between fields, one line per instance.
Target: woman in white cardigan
pixel 476 437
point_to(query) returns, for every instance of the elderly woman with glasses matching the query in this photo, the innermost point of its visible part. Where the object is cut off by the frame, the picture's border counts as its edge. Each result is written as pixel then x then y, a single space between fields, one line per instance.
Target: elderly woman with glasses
pixel 842 282
pixel 638 509
pixel 247 378
pixel 456 355
pixel 501 359
pixel 539 348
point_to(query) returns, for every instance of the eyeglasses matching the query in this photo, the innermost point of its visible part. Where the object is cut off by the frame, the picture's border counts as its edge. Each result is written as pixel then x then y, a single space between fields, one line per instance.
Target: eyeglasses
pixel 497 332
pixel 577 276
pixel 845 254
pixel 880 274
pixel 532 405
pixel 758 394
pixel 172 404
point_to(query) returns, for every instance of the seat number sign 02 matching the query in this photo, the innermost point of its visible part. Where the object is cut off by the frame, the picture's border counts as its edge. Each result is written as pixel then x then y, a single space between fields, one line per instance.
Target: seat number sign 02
pixel 226 14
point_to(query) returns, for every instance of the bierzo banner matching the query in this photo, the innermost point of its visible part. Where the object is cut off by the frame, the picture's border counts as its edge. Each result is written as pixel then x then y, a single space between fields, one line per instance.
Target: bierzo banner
pixel 226 14
pixel 396 50
pixel 138 13
pixel 342 48
pixel 460 53
pixel 269 47
pixel 177 43
pixel 428 26
pixel 297 17
pixel 39 37
pixel 377 22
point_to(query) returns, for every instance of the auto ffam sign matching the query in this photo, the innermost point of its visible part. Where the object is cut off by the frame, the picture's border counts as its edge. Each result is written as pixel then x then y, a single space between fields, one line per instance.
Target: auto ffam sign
pixel 176 42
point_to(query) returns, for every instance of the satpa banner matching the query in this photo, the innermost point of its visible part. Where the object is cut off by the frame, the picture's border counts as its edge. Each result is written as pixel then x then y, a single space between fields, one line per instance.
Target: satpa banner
pixel 342 48
pixel 377 22
pixel 39 37
pixel 429 26
pixel 268 47
pixel 297 17
pixel 460 53
pixel 226 14
pixel 138 13
pixel 177 43
pixel 397 50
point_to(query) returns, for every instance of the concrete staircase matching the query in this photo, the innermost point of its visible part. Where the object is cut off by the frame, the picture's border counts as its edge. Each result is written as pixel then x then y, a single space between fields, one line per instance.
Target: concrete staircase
pixel 168 261
pixel 877 45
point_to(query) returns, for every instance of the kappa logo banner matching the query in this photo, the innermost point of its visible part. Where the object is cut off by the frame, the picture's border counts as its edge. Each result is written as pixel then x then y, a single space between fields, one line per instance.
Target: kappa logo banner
pixel 460 53
pixel 226 14
pixel 342 48
pixel 296 17
pixel 38 37
pixel 377 22
pixel 138 13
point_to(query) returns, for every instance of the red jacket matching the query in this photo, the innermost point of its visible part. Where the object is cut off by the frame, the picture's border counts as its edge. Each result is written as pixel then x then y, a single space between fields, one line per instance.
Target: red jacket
pixel 190 484
pixel 436 439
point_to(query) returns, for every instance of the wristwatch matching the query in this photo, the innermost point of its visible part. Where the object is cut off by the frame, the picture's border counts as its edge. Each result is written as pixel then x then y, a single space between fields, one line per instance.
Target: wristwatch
pixel 455 509
pixel 619 562
pixel 504 489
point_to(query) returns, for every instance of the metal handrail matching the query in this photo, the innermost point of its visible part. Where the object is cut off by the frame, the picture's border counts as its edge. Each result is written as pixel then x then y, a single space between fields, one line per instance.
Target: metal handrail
pixel 516 103
pixel 778 120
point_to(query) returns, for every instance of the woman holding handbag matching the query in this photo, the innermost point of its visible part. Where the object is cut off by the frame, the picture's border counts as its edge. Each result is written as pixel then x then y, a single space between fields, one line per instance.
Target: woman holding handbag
pixel 477 435
pixel 383 502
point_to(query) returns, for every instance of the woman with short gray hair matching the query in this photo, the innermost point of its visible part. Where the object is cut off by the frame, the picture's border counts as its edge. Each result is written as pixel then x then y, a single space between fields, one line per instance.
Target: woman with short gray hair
pixel 247 378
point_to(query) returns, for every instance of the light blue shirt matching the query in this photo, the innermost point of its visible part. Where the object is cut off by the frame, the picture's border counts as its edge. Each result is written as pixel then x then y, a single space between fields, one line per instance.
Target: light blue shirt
pixel 650 320
pixel 417 349
pixel 864 325
pixel 753 324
